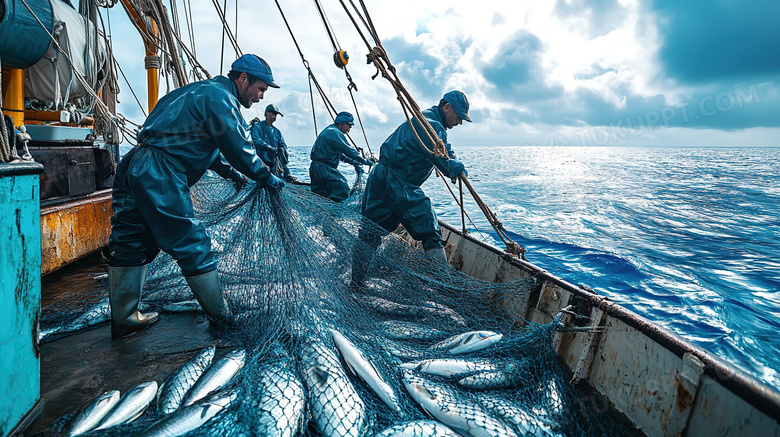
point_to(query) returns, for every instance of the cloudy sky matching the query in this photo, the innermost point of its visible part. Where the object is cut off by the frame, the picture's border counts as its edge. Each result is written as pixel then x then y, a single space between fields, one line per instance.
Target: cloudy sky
pixel 577 72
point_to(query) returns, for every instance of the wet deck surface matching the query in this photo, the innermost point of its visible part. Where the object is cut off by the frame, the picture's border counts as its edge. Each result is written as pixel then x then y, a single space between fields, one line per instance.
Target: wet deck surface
pixel 78 367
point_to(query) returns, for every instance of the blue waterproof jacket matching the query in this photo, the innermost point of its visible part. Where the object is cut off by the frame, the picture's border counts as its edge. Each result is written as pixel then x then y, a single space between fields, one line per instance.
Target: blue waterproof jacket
pixel 330 148
pixel 191 129
pixel 271 148
pixel 393 194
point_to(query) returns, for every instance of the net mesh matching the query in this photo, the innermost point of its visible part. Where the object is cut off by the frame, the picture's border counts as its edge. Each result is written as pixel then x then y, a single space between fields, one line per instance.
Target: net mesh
pixel 286 266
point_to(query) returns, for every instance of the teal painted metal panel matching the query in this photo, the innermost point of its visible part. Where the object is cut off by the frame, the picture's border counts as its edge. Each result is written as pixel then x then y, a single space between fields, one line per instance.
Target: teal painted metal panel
pixel 20 292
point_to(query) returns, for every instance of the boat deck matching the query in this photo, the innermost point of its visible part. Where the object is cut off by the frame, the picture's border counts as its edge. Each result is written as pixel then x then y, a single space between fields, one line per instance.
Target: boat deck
pixel 78 367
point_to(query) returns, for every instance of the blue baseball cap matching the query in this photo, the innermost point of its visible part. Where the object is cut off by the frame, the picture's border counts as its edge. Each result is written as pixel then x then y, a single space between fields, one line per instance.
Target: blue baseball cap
pixel 256 66
pixel 273 108
pixel 459 103
pixel 344 117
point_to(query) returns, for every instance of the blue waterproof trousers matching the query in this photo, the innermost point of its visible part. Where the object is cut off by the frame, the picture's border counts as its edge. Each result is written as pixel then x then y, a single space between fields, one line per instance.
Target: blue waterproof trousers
pixel 152 211
pixel 328 182
pixel 389 200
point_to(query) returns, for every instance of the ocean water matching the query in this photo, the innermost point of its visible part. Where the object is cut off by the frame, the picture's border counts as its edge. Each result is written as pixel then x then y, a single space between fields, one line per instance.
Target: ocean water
pixel 687 237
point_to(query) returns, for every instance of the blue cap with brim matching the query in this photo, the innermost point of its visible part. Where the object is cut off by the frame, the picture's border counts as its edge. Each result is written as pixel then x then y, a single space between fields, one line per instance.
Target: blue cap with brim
pixel 255 66
pixel 273 108
pixel 459 103
pixel 344 117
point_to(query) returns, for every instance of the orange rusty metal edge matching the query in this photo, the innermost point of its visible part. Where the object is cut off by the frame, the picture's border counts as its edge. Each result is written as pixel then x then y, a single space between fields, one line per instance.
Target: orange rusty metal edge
pixel 73 229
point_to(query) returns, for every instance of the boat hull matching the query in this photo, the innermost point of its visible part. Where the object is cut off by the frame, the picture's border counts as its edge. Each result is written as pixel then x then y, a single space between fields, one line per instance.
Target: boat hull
pixel 662 383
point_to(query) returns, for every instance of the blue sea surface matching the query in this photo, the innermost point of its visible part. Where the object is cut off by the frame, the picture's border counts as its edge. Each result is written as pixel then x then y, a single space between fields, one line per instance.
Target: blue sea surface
pixel 687 237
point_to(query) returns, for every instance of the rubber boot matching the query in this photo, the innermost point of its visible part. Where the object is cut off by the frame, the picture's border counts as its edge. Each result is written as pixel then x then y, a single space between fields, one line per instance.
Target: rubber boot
pixel 438 253
pixel 124 293
pixel 362 254
pixel 208 290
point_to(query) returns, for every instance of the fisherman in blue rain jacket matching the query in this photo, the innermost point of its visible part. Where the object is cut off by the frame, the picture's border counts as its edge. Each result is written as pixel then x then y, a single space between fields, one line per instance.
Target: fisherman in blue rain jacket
pixel 191 129
pixel 329 148
pixel 393 194
pixel 270 144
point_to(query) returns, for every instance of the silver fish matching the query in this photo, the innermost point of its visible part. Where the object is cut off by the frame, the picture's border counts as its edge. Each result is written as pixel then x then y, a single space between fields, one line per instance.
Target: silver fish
pixel 335 406
pixel 506 377
pixel 366 370
pixel 130 406
pixel 188 418
pixel 401 330
pixel 398 350
pixel 282 401
pixel 449 367
pixel 390 307
pixel 92 413
pixel 419 428
pixel 452 409
pixel 216 376
pixel 443 311
pixel 99 313
pixel 525 423
pixel 468 342
pixel 399 309
pixel 175 388
pixel 184 306
pixel 552 411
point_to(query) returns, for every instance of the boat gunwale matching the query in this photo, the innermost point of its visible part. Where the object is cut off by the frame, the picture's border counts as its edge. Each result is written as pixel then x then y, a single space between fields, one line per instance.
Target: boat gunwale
pixel 744 385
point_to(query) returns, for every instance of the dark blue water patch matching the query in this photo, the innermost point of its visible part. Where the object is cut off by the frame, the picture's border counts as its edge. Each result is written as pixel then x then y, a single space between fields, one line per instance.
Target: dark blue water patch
pixel 604 272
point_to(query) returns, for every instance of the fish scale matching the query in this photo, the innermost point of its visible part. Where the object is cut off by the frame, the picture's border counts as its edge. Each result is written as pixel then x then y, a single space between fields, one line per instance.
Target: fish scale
pixel 526 423
pixel 282 401
pixel 419 428
pixel 216 376
pixel 335 406
pixel 130 406
pixel 175 388
pixel 453 409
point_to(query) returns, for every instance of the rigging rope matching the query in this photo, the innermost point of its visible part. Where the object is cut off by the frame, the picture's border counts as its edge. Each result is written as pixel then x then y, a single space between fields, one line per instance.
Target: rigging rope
pixel 351 86
pixel 226 29
pixel 378 56
pixel 328 105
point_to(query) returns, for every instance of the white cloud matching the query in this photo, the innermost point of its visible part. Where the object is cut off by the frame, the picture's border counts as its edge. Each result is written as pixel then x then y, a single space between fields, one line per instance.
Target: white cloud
pixel 611 58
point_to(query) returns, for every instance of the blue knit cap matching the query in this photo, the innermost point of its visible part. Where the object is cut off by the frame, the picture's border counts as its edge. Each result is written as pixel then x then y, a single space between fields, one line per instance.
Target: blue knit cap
pixel 344 117
pixel 256 66
pixel 459 103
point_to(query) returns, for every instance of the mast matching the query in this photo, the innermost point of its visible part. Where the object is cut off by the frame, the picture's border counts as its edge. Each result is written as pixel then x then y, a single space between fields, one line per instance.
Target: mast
pixel 150 34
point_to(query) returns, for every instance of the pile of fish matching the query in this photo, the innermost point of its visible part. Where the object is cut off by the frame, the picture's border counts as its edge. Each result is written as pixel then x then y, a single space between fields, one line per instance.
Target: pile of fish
pixel 321 391
pixel 317 379
pixel 186 400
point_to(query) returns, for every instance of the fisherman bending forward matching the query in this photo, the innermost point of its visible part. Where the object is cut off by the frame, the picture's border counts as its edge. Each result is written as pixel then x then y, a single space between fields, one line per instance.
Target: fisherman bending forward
pixel 329 148
pixel 190 130
pixel 393 194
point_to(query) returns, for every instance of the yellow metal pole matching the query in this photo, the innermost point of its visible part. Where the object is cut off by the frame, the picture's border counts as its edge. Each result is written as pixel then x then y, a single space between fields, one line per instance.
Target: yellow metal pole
pixel 151 71
pixel 13 94
pixel 152 85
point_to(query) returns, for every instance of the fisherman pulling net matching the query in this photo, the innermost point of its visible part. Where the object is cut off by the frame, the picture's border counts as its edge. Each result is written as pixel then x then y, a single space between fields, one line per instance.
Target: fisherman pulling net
pixel 418 349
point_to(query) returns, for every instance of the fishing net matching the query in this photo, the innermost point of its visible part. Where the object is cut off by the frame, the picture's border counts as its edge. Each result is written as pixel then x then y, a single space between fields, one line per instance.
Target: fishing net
pixel 286 263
